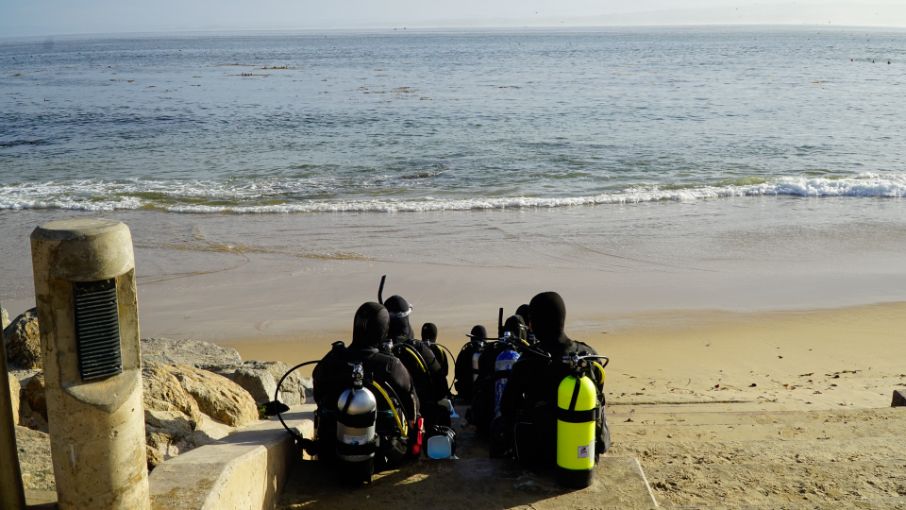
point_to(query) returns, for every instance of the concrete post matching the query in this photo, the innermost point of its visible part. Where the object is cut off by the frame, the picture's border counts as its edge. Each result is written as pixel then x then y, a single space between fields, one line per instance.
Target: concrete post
pixel 12 496
pixel 87 310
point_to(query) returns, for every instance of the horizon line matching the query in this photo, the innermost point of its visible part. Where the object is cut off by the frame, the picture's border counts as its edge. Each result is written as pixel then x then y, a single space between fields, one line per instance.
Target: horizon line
pixel 439 28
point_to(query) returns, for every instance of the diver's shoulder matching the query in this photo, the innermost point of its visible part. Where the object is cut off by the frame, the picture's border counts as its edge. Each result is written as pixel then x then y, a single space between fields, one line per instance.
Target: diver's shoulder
pixel 582 347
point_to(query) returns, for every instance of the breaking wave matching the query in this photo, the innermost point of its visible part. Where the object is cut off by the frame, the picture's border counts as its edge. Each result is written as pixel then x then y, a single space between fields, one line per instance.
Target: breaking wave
pixel 274 196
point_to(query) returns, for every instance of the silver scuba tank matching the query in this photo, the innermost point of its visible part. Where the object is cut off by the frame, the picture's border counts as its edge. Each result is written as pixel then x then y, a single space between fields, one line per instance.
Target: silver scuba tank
pixel 356 420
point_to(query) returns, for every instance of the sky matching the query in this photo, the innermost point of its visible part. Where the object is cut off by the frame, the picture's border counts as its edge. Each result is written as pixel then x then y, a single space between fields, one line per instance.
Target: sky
pixel 58 17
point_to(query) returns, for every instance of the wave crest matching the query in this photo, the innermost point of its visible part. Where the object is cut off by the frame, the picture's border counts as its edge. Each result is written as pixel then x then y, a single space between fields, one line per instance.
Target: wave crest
pixel 261 198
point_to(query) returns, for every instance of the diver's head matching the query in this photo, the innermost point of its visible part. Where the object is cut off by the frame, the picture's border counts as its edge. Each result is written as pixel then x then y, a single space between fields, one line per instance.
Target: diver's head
pixel 525 311
pixel 429 332
pixel 399 310
pixel 548 317
pixel 515 326
pixel 370 326
pixel 478 335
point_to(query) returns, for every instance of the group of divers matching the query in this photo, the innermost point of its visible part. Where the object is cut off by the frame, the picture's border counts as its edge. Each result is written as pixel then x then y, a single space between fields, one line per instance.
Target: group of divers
pixel 534 393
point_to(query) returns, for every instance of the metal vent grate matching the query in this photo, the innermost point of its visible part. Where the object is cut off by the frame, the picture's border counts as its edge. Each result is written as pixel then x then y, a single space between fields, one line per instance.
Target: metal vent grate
pixel 97 329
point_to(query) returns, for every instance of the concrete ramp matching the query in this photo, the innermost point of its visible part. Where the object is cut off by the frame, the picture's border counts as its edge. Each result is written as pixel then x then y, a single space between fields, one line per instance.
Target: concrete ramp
pixel 472 482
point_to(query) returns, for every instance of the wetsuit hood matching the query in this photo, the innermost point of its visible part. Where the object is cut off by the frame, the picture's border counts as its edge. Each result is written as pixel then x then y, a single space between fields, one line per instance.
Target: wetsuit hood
pixel 370 326
pixel 525 311
pixel 515 326
pixel 478 333
pixel 399 310
pixel 429 332
pixel 548 318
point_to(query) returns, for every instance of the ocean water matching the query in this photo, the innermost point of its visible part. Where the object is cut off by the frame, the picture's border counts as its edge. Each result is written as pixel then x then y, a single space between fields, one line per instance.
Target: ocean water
pixel 437 121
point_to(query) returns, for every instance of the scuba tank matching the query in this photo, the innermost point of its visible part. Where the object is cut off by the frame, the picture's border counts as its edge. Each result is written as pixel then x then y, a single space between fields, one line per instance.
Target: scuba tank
pixel 466 365
pixel 356 434
pixel 503 365
pixel 501 439
pixel 512 339
pixel 577 409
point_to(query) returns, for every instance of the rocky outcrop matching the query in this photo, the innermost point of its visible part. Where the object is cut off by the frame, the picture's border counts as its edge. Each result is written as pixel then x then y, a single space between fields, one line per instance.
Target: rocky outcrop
pixel 217 396
pixel 181 406
pixel 14 390
pixel 194 353
pixel 23 341
pixel 260 379
pixel 162 391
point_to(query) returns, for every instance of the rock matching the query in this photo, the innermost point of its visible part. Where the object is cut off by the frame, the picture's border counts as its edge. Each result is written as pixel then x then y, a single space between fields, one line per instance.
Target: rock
pixel 174 421
pixel 899 398
pixel 194 353
pixel 162 391
pixel 33 408
pixel 23 341
pixel 14 390
pixel 258 382
pixel 171 413
pixel 34 458
pixel 217 396
pixel 260 379
pixel 4 318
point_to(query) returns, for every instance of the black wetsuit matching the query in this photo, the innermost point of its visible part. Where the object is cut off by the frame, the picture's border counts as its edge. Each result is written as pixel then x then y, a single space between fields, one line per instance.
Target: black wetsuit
pixel 427 372
pixel 530 401
pixel 333 374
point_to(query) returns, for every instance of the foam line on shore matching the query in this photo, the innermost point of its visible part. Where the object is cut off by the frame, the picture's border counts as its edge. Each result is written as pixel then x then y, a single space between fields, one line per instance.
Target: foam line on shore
pixel 270 196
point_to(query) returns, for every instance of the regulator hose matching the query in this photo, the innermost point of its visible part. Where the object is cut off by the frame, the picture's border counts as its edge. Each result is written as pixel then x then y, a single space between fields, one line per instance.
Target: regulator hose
pixel 277 404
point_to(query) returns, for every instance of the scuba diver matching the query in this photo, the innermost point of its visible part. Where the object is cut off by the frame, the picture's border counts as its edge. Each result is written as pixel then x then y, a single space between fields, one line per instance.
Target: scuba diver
pixel 494 365
pixel 466 366
pixel 531 404
pixel 525 311
pixel 429 337
pixel 394 420
pixel 425 369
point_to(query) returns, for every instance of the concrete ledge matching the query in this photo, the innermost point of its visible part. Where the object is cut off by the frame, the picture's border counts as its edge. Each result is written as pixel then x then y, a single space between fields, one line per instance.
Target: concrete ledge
pixel 245 470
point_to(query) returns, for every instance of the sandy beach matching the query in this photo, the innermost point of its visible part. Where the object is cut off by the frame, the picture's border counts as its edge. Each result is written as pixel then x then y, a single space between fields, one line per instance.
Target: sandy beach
pixel 766 365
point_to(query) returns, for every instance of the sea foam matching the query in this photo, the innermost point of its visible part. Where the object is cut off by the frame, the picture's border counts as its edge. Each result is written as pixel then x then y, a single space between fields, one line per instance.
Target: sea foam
pixel 275 196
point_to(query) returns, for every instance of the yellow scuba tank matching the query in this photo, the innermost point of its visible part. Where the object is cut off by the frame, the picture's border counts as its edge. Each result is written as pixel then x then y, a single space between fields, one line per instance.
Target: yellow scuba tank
pixel 577 402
